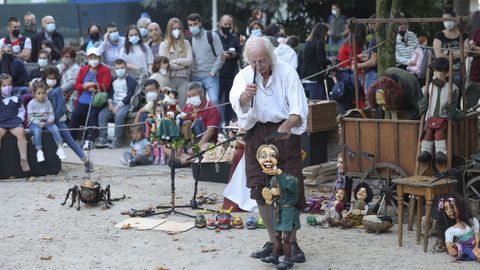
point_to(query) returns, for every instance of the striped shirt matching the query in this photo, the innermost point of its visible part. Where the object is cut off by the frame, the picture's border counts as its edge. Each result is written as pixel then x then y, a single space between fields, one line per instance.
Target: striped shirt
pixel 138 57
pixel 405 47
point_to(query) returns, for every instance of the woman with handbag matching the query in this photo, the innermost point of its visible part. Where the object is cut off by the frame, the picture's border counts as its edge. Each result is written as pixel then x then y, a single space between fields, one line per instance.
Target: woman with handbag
pixel 92 83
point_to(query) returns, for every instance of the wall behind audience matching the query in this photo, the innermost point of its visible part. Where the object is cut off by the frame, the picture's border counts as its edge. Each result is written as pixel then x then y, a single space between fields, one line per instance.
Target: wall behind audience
pixel 72 20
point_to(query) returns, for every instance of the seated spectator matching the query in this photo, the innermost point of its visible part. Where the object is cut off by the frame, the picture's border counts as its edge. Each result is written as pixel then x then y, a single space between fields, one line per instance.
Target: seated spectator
pixel 52 78
pixel 13 66
pixel 153 94
pixel 137 54
pixel 43 61
pixel 48 33
pixel 48 46
pixel 68 70
pixel 91 78
pixel 346 50
pixel 141 150
pixel 112 44
pixel 415 63
pixel 94 39
pixel 161 70
pixel 21 45
pixel 405 46
pixel 118 105
pixel 205 120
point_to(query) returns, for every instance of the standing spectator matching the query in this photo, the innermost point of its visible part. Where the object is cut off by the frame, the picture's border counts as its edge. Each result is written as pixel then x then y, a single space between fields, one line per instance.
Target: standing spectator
pixel 231 53
pixel 473 84
pixel 30 23
pixel 142 25
pixel 21 45
pixel 178 50
pixel 257 15
pixel 314 60
pixel 68 71
pixel 337 27
pixel 14 67
pixel 405 46
pixel 137 54
pixel 256 29
pixel 48 32
pixel 91 78
pixel 112 44
pixel 207 57
pixel 286 53
pixel 118 105
pixel 94 32
pixel 280 105
pixel 155 35
pixel 449 39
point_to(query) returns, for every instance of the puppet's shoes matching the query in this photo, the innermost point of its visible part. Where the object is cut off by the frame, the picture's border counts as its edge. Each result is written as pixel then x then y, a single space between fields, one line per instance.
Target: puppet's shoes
pixel 265 251
pixel 271 259
pixel 285 265
pixel 440 157
pixel 425 156
pixel 297 254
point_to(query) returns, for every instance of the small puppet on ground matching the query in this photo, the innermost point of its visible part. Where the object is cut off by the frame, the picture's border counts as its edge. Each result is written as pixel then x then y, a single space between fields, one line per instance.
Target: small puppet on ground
pixel 283 192
pixel 333 208
pixel 458 228
pixel 436 105
pixel 363 194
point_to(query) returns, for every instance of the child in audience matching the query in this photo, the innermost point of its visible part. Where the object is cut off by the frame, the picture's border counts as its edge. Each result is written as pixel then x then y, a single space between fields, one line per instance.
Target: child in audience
pixel 12 114
pixel 152 96
pixel 415 63
pixel 161 70
pixel 40 116
pixel 141 150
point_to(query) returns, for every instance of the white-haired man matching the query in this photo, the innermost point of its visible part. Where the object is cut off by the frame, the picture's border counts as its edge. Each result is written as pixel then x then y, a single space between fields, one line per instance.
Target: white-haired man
pixel 48 32
pixel 276 102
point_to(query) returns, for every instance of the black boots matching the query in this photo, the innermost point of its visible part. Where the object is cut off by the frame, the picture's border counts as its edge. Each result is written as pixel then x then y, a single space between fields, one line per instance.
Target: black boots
pixel 265 251
pixel 424 156
pixel 297 254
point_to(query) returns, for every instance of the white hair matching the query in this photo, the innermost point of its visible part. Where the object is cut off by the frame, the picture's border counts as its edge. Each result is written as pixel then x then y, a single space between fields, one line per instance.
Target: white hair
pixel 143 21
pixel 268 46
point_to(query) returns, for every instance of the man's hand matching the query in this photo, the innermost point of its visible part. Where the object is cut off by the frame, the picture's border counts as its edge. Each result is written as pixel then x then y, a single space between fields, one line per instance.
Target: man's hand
pixel 250 92
pixel 41 124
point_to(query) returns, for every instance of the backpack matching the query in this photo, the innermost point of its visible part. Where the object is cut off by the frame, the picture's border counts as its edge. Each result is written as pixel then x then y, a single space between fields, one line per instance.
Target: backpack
pixel 210 41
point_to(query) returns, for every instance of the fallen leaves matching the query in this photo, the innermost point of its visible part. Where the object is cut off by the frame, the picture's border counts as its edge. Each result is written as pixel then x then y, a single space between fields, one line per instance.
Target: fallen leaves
pixel 161 268
pixel 207 250
pixel 51 196
pixel 46 258
pixel 126 227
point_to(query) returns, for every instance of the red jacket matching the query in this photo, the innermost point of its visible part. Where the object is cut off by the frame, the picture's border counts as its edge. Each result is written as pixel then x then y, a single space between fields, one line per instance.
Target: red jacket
pixel 104 79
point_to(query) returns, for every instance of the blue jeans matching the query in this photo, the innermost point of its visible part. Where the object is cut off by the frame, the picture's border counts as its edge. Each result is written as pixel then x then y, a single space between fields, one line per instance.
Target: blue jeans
pixel 37 132
pixel 211 86
pixel 315 91
pixel 105 115
pixel 67 137
pixel 370 77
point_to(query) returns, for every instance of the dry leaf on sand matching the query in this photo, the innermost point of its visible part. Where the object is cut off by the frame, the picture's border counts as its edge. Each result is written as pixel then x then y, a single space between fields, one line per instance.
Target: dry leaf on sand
pixel 126 226
pixel 46 258
pixel 51 196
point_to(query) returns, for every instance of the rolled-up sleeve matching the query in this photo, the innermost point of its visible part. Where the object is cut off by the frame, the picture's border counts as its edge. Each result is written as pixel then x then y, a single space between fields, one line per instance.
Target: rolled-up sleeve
pixel 297 101
pixel 246 115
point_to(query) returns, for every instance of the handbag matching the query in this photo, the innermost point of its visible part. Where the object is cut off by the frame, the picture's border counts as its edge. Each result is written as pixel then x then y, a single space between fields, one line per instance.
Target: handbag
pixel 99 98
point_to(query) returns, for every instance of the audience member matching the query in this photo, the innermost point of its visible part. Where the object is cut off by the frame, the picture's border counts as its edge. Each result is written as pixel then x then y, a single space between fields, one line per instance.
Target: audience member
pixel 30 23
pixel 94 39
pixel 161 69
pixel 142 25
pixel 48 32
pixel 473 84
pixel 13 66
pixel 21 45
pixel 337 27
pixel 155 35
pixel 405 46
pixel 137 54
pixel 112 44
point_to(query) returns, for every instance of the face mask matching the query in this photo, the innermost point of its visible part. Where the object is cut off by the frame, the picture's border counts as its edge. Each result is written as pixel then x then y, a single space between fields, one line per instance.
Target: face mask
pixel 120 72
pixel 402 32
pixel 195 30
pixel 334 12
pixel 51 83
pixel 93 62
pixel 16 32
pixel 163 71
pixel 176 33
pixel 67 61
pixel 42 62
pixel 449 25
pixel 134 39
pixel 256 33
pixel 95 36
pixel 143 32
pixel 226 30
pixel 195 101
pixel 113 36
pixel 50 27
pixel 30 25
pixel 6 91
pixel 151 96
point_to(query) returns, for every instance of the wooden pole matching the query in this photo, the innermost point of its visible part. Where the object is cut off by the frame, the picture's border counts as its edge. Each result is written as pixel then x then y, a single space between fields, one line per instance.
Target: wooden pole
pixel 450 89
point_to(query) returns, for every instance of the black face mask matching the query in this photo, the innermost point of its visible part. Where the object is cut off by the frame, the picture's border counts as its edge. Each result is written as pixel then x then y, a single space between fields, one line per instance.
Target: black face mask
pixel 16 32
pixel 402 32
pixel 95 36
pixel 226 30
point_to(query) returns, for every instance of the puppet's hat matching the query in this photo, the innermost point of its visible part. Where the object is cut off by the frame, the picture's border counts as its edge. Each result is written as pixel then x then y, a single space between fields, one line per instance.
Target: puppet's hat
pixel 440 64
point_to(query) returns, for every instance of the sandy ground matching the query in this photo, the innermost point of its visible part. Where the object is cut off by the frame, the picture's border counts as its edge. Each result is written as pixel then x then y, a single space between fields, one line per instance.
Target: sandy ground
pixel 34 226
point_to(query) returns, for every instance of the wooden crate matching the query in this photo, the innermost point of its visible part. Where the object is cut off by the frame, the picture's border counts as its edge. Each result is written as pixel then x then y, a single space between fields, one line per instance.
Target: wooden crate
pixel 322 116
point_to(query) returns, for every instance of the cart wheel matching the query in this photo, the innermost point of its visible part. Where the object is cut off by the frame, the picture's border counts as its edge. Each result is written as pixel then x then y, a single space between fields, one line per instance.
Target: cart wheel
pixel 385 173
pixel 472 189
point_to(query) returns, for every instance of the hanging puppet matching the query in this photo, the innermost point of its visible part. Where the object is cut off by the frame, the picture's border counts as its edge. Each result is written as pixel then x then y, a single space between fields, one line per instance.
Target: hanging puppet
pixel 387 95
pixel 282 191
pixel 459 228
pixel 435 104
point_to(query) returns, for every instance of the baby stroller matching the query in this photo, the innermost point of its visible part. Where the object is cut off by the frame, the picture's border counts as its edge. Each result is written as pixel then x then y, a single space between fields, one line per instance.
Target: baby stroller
pixel 343 91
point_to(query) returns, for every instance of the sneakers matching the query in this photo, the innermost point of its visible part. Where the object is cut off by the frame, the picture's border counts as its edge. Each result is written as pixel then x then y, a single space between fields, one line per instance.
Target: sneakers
pixel 114 145
pixel 87 145
pixel 88 167
pixel 60 153
pixel 40 156
pixel 265 251
pixel 297 254
pixel 101 144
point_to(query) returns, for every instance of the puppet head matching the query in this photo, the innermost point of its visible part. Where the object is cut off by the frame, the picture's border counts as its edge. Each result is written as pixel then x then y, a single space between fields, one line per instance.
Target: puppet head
pixel 340 195
pixel 363 192
pixel 387 93
pixel 267 157
pixel 440 71
pixel 452 208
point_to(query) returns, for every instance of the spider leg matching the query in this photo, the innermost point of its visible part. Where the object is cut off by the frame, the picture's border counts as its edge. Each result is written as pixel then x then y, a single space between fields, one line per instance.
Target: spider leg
pixel 68 195
pixel 104 198
pixel 78 198
pixel 108 194
pixel 74 195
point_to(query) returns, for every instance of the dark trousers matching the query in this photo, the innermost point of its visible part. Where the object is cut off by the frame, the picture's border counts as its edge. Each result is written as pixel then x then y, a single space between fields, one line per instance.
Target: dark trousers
pixel 79 116
pixel 225 86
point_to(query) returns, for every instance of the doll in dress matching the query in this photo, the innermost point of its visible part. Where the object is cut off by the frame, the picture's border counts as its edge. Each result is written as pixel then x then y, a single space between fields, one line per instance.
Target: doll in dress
pixel 459 228
pixel 282 191
pixel 363 194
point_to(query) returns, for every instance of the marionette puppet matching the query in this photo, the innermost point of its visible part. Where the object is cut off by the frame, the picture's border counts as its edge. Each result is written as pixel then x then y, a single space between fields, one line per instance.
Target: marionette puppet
pixel 171 101
pixel 363 194
pixel 387 95
pixel 282 191
pixel 435 105
pixel 333 209
pixel 459 229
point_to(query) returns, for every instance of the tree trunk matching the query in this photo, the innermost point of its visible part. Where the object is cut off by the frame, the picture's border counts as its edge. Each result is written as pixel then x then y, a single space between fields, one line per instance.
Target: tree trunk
pixel 386 33
pixel 461 7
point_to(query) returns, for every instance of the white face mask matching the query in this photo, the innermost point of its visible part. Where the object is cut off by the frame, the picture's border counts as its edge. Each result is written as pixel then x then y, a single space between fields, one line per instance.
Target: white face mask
pixel 120 72
pixel 196 101
pixel 93 62
pixel 176 33
pixel 51 83
pixel 42 62
pixel 449 25
pixel 151 96
pixel 163 71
